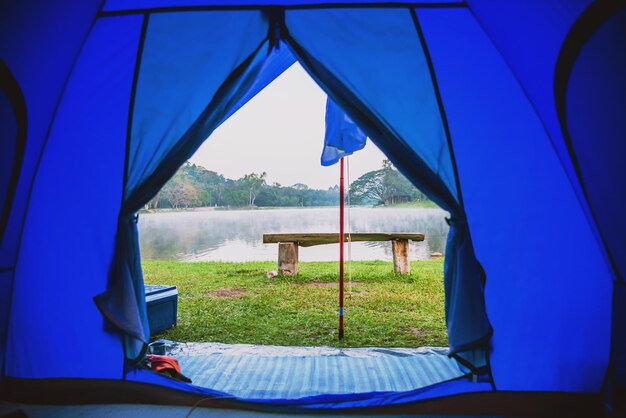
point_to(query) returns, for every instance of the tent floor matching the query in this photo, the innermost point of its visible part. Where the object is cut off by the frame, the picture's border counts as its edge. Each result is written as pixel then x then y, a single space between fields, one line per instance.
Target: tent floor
pixel 473 405
pixel 278 372
pixel 121 410
pixel 93 397
pixel 138 410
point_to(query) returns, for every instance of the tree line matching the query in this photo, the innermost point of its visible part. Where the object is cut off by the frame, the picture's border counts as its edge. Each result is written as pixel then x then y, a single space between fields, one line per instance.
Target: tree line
pixel 195 186
pixel 386 186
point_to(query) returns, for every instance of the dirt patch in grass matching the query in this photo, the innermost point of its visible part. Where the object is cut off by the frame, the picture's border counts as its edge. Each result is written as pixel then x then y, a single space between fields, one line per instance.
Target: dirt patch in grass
pixel 227 293
pixel 418 332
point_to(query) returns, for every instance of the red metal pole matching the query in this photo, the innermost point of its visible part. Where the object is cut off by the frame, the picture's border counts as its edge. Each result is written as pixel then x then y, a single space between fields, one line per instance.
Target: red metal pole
pixel 341 240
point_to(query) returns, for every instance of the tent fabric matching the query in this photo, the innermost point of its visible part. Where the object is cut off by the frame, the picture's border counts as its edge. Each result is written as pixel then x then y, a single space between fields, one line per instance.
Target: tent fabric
pixel 520 295
pixel 342 137
pixel 60 31
pixel 506 25
pixel 6 289
pixel 51 282
pixel 508 114
pixel 533 58
pixel 616 382
pixel 57 43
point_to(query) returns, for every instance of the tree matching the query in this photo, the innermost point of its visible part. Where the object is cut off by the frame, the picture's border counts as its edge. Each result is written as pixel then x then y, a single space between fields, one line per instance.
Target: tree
pixel 212 186
pixel 253 183
pixel 369 189
pixel 382 187
pixel 173 192
pixel 189 196
pixel 303 194
pixel 180 191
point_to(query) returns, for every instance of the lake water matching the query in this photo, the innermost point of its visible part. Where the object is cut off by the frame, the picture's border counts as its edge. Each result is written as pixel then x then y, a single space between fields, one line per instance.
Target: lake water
pixel 237 235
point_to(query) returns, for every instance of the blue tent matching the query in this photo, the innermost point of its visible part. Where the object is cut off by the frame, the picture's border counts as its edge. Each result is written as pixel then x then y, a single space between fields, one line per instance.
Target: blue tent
pixel 509 115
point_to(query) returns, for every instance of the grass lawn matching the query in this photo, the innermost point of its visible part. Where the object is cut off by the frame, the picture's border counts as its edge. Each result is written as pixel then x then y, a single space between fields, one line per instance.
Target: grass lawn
pixel 237 303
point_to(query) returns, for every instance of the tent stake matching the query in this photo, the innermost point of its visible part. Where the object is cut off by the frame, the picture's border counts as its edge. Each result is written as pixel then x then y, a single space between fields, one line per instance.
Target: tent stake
pixel 341 240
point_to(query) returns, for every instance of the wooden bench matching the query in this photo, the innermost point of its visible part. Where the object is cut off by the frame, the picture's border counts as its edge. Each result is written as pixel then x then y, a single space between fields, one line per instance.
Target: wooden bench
pixel 288 247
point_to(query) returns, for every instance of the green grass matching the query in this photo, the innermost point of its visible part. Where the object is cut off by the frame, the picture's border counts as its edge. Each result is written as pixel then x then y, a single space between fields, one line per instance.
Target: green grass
pixel 427 204
pixel 237 303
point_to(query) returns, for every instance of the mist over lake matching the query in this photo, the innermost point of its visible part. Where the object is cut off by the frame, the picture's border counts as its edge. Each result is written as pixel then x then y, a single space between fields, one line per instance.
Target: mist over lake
pixel 236 235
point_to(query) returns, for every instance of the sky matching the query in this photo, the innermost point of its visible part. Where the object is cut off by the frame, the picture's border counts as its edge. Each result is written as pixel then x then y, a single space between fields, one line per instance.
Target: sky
pixel 281 131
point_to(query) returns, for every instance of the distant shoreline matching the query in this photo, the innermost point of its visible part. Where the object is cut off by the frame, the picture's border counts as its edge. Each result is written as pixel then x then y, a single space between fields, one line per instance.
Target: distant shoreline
pixel 408 205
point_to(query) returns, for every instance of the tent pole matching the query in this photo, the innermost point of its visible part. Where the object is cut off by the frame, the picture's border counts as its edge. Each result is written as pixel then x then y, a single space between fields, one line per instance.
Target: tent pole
pixel 341 242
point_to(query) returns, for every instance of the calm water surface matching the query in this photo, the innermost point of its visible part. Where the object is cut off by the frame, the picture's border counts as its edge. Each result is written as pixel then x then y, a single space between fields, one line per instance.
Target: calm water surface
pixel 237 235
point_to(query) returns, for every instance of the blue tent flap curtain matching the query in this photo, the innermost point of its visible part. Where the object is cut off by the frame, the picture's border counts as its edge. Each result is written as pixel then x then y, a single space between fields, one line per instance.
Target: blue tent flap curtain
pixel 379 115
pixel 509 115
pixel 172 86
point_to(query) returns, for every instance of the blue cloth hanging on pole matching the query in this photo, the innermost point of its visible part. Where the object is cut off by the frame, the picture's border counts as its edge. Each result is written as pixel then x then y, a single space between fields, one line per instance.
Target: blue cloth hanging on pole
pixel 343 136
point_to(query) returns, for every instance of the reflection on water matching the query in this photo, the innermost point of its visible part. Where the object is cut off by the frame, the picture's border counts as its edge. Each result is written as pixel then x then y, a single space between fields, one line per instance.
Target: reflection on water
pixel 237 235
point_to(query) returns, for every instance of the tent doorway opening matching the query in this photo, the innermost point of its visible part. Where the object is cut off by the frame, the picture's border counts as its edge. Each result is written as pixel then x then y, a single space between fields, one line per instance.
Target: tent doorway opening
pixel 259 173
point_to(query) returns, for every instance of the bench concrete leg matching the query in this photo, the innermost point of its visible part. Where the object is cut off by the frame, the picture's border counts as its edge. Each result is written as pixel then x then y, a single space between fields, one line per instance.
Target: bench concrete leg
pixel 400 249
pixel 287 258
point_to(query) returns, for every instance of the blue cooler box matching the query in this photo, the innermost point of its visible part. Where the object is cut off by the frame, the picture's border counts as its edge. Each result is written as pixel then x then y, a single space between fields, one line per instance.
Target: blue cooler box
pixel 162 304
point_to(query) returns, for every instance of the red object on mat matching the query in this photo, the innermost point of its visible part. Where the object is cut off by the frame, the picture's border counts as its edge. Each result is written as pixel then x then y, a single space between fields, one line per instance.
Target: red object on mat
pixel 167 365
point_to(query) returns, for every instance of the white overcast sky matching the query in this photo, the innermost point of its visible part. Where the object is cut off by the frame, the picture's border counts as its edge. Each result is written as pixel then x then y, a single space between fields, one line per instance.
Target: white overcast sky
pixel 281 132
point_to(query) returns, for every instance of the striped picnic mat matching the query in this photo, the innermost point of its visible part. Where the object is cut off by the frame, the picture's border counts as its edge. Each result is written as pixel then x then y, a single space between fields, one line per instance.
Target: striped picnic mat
pixel 274 372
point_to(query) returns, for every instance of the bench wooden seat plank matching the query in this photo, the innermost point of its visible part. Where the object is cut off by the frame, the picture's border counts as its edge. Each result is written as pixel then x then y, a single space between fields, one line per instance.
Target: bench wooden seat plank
pixel 320 238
